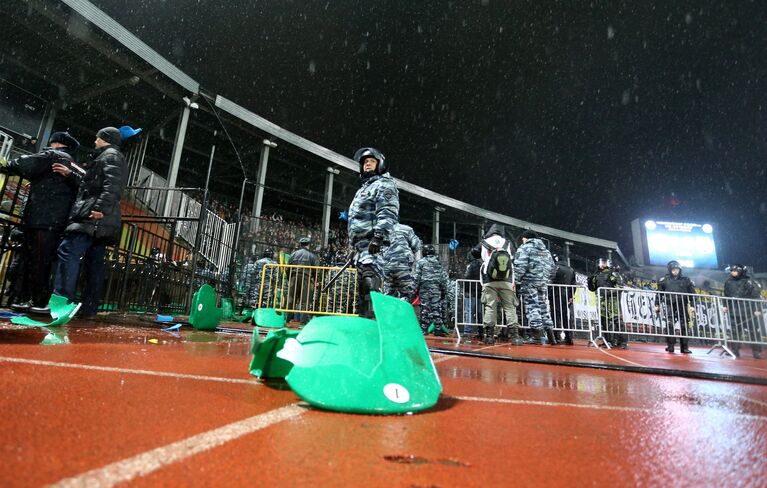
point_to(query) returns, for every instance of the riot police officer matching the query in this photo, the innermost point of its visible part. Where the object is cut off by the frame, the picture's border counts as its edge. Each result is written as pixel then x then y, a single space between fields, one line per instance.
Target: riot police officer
pixel 431 280
pixel 746 317
pixel 675 305
pixel 301 282
pixel 372 216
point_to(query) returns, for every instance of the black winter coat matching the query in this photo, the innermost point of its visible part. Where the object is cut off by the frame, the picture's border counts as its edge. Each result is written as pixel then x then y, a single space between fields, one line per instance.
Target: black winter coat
pixel 50 194
pixel 100 189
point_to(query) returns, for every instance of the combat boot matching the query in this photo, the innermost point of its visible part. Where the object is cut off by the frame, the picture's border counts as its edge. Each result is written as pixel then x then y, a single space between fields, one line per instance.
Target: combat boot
pixel 550 336
pixel 515 339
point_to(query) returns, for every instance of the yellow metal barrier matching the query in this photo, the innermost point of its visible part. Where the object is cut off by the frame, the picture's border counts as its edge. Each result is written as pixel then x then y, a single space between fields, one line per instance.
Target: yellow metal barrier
pixel 298 289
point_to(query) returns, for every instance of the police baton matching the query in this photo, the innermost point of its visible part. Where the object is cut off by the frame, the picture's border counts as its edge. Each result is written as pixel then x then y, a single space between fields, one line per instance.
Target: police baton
pixel 340 272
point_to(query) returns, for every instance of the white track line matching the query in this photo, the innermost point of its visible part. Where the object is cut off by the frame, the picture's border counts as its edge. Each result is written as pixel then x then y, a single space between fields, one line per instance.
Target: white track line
pixel 150 461
pixel 652 411
pixel 758 402
pixel 622 359
pixel 147 372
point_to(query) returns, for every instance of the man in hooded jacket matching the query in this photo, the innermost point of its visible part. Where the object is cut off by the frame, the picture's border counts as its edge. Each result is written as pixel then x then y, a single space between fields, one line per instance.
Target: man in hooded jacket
pixel 94 222
pixel 497 277
pixel 54 178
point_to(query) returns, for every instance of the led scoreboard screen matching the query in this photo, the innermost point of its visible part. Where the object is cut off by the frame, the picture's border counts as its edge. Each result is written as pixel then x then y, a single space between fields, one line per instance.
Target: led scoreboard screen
pixel 690 244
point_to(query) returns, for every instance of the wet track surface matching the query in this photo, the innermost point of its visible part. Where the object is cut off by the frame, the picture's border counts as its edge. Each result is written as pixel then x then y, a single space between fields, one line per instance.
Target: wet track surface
pixel 109 404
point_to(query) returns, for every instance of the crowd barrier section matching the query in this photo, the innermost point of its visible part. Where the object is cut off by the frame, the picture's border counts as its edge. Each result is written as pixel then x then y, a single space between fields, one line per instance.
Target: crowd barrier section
pixel 722 321
pixel 298 290
pixel 571 307
pixel 6 144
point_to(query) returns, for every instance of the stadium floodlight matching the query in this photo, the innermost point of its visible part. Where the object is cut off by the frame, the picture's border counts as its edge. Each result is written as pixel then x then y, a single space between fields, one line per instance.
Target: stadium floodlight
pixel 707 228
pixel 650 225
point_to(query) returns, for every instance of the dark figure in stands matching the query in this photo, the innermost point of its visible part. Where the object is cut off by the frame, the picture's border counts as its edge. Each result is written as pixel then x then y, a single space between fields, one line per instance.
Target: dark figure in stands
pixel 561 297
pixel 746 316
pixel 302 281
pixel 54 178
pixel 675 306
pixel 94 222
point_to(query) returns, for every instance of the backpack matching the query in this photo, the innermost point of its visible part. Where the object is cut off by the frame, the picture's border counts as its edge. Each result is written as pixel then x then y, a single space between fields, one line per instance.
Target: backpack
pixel 499 266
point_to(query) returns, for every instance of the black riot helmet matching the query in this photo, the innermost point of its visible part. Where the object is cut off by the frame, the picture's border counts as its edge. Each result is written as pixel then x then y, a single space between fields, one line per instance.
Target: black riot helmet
pixel 603 263
pixel 428 250
pixel 673 264
pixel 268 253
pixel 738 268
pixel 369 152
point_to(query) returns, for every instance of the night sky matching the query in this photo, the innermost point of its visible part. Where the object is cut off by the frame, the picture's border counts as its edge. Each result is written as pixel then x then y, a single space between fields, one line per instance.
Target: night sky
pixel 578 115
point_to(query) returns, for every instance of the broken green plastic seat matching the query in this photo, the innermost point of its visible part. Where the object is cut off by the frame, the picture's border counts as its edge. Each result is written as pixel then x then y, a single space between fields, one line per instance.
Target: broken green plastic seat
pixel 265 363
pixel 204 314
pixel 227 309
pixel 61 311
pixel 269 318
pixel 352 364
pixel 247 314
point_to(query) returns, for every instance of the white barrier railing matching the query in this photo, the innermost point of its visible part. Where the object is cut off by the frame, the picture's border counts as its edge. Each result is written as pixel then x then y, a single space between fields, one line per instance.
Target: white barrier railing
pixel 727 322
pixel 572 309
pixel 6 144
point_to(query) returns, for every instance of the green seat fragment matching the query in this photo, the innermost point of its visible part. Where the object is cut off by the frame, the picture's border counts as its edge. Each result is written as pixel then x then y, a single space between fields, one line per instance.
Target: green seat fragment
pixel 247 315
pixel 352 364
pixel 265 363
pixel 204 314
pixel 227 309
pixel 269 318
pixel 61 311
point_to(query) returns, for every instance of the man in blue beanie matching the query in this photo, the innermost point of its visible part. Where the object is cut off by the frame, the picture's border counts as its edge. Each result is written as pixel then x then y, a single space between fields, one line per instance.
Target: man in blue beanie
pixel 94 222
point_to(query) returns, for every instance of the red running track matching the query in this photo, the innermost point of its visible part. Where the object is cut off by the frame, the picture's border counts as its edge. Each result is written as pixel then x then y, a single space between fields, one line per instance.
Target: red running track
pixel 110 405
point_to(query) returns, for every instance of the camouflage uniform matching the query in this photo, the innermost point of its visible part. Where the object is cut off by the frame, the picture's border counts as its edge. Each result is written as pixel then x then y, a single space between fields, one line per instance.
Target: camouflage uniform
pixel 609 303
pixel 449 307
pixel 431 280
pixel 373 212
pixel 398 262
pixel 301 283
pixel 533 270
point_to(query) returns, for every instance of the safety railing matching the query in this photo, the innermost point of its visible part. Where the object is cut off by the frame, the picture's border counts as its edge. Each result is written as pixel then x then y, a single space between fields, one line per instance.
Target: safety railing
pixel 572 309
pixel 298 290
pixel 6 144
pixel 725 322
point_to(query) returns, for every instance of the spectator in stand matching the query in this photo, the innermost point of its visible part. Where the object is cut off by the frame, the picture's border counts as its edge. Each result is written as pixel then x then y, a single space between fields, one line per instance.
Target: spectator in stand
pixel 54 178
pixel 94 222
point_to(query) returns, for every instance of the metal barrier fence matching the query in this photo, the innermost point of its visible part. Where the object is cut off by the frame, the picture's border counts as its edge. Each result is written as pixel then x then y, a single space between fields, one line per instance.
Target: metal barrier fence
pixel 298 290
pixel 6 144
pixel 727 322
pixel 567 305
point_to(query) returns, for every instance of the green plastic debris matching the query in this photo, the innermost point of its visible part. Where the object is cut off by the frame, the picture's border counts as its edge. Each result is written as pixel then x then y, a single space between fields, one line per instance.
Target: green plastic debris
pixel 204 314
pixel 265 363
pixel 269 318
pixel 227 309
pixel 352 364
pixel 430 330
pixel 61 311
pixel 55 337
pixel 247 314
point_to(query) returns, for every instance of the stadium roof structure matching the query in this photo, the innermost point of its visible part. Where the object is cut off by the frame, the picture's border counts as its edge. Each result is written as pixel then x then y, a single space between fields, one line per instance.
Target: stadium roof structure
pixel 90 67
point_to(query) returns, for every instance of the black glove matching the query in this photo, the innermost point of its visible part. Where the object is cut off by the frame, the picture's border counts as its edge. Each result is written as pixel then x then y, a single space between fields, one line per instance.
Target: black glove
pixel 375 243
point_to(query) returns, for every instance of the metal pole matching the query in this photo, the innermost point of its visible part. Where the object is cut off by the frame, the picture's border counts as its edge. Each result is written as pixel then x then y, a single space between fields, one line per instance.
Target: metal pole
pixel 128 259
pixel 258 198
pixel 435 225
pixel 50 118
pixel 202 222
pixel 175 159
pixel 327 208
pixel 567 252
pixel 237 229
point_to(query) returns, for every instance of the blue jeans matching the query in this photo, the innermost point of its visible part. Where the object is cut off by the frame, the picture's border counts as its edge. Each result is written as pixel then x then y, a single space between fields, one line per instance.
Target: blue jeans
pixel 75 250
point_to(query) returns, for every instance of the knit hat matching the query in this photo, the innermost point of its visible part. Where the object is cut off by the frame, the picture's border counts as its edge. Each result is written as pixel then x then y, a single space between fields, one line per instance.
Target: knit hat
pixel 110 135
pixel 64 138
pixel 529 234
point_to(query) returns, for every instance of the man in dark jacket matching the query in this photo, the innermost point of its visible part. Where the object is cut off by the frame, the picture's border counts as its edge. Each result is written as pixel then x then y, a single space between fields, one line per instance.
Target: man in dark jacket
pixel 94 222
pixel 54 178
pixel 675 304
pixel 302 282
pixel 746 316
pixel 561 297
pixel 472 308
pixel 609 299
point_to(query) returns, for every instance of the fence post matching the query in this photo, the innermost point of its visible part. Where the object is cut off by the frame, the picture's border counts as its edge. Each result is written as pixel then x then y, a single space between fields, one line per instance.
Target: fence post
pixel 202 221
pixel 126 270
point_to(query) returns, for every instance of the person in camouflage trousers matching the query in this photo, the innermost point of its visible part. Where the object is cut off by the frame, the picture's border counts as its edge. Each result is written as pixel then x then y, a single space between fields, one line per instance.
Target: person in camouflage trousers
pixel 534 269
pixel 373 214
pixel 431 280
pixel 609 301
pixel 398 262
pixel 253 274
